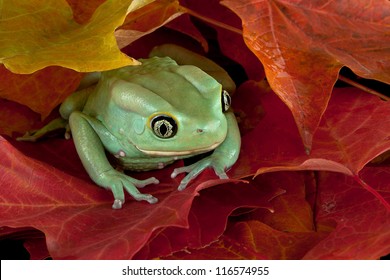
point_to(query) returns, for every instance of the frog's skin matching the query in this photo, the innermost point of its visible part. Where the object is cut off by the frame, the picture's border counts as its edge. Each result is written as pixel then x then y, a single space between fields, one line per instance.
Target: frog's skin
pixel 150 115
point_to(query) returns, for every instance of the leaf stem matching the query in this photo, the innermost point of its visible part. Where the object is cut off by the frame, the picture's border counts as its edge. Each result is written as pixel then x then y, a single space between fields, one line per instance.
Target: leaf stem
pixel 364 88
pixel 373 191
pixel 212 21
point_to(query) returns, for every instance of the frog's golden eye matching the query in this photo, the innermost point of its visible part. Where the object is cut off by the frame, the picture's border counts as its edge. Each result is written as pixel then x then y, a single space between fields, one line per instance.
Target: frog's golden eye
pixel 226 101
pixel 163 126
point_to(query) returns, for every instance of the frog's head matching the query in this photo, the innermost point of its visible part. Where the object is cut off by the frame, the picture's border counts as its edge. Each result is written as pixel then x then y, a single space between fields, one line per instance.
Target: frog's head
pixel 164 109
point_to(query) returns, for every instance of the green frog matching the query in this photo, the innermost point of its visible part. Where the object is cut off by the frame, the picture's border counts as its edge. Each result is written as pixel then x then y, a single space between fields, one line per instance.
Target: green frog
pixel 173 105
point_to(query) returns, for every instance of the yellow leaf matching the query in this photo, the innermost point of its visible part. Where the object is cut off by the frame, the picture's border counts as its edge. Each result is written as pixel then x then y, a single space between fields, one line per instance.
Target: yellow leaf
pixel 35 34
pixel 135 5
pixel 146 19
pixel 84 9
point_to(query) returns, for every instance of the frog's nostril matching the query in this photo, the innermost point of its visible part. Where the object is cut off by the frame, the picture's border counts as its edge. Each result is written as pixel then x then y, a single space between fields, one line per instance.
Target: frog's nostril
pixel 199 130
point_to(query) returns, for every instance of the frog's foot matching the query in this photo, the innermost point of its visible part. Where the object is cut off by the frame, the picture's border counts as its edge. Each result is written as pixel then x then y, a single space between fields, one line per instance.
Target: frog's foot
pixel 68 133
pixel 118 182
pixel 195 169
pixel 29 136
pixel 33 136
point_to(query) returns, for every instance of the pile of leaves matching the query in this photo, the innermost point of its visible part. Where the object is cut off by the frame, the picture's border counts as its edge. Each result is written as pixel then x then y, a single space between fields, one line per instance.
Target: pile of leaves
pixel 313 177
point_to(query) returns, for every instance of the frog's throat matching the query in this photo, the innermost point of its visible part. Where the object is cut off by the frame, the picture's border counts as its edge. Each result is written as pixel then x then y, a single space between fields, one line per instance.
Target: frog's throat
pixel 179 153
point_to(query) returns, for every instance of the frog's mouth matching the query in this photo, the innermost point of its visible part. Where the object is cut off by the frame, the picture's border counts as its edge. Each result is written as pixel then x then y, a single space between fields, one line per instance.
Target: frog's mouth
pixel 179 153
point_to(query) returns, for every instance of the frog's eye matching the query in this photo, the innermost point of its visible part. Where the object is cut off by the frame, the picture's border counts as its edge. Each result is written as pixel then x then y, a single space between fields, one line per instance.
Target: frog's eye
pixel 164 126
pixel 226 101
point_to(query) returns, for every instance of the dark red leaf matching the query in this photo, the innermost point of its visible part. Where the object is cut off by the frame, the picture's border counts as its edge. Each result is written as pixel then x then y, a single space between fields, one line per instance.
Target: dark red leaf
pixel 292 212
pixel 348 223
pixel 354 130
pixel 288 232
pixel 208 217
pixel 362 224
pixel 74 214
pixel 303 45
pixel 37 248
pixel 229 42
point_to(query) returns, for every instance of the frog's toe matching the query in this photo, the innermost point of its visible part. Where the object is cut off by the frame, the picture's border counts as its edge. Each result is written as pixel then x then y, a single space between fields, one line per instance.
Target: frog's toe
pixel 193 173
pixel 186 180
pixel 68 133
pixel 117 204
pixel 29 136
pixel 180 170
pixel 119 195
pixel 143 183
pixel 147 197
pixel 132 189
pixel 182 185
pixel 220 172
pixel 195 169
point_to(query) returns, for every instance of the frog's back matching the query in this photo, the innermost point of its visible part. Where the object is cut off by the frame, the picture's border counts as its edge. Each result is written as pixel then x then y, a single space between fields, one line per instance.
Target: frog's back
pixel 174 83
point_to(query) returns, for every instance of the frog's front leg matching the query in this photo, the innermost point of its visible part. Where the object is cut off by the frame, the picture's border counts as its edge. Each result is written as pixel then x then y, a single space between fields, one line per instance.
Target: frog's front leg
pixel 72 103
pixel 86 131
pixel 223 157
